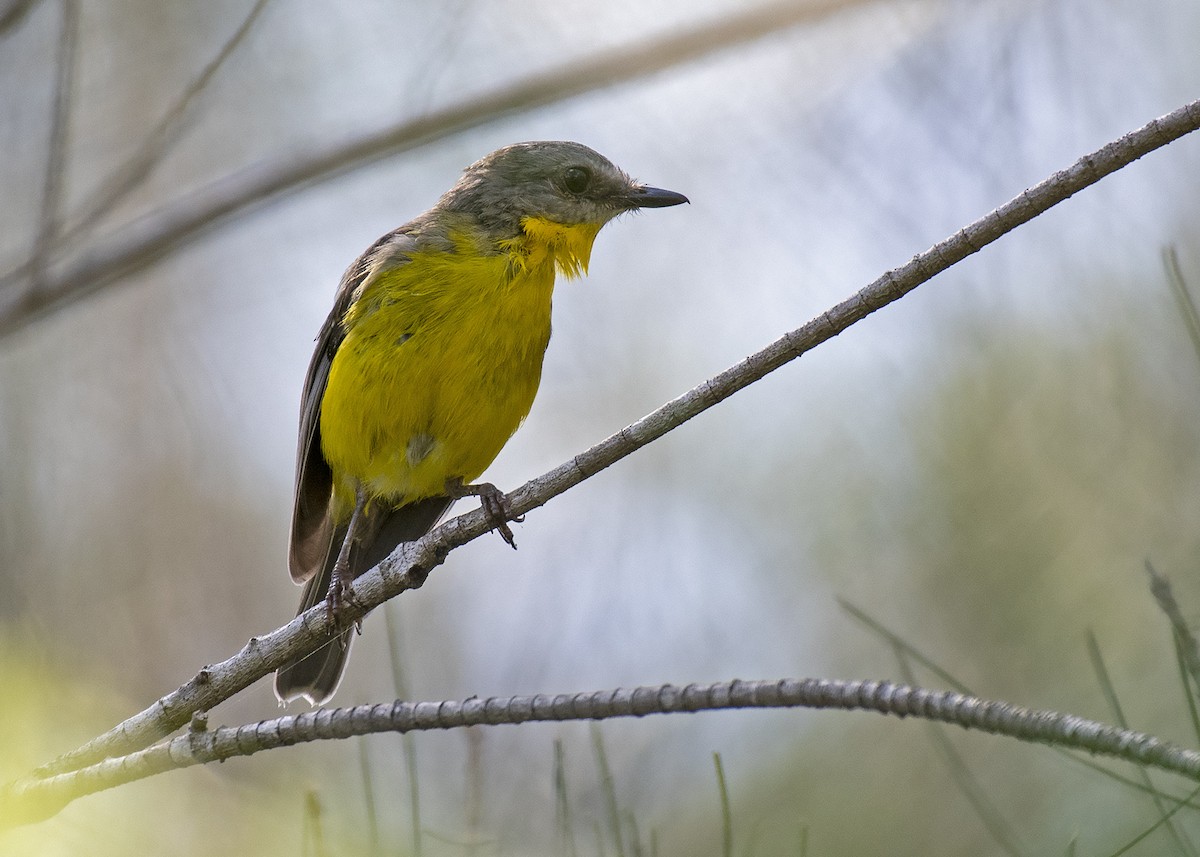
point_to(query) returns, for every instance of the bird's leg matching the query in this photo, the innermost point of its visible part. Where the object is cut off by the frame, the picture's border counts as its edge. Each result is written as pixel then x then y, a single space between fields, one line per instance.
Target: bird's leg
pixel 495 504
pixel 340 595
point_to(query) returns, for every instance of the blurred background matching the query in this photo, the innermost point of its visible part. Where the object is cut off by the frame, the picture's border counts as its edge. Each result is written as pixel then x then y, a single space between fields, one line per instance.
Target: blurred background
pixel 984 468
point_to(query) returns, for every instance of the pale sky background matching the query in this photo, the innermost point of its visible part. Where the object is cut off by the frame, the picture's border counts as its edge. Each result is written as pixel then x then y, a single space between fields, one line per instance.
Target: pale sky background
pixel 984 467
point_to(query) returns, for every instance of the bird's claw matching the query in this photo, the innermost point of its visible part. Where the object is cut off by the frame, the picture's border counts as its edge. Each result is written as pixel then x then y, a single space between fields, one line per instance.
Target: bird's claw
pixel 340 601
pixel 496 506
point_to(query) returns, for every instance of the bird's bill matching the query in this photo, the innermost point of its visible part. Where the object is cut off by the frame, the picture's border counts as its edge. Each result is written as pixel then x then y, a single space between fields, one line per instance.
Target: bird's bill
pixel 644 196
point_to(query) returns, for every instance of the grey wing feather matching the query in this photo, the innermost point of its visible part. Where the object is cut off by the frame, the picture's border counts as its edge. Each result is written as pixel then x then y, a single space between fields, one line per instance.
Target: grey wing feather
pixel 312 528
pixel 316 538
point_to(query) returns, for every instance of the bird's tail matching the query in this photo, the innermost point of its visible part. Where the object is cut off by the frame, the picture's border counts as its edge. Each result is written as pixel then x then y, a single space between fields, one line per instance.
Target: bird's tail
pixel 316 676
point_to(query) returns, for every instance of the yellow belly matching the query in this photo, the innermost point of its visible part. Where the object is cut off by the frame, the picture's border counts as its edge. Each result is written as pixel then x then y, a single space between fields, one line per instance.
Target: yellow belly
pixel 440 365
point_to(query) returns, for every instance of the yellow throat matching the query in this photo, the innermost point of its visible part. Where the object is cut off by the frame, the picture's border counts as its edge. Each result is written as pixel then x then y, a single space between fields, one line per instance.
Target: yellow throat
pixel 568 247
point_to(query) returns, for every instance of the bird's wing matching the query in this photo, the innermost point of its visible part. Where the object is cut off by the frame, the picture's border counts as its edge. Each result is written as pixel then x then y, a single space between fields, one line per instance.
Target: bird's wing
pixel 312 523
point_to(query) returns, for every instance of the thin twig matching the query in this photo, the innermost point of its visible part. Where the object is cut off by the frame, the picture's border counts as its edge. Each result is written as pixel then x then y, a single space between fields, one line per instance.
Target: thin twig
pixel 13 13
pixel 473 805
pixel 608 788
pixel 1186 682
pixel 412 562
pixel 562 804
pixel 1160 588
pixel 407 742
pixel 899 644
pixel 1182 842
pixel 56 157
pixel 129 175
pixel 1165 819
pixel 1183 297
pixel 726 811
pixel 985 808
pixel 364 764
pixel 34 799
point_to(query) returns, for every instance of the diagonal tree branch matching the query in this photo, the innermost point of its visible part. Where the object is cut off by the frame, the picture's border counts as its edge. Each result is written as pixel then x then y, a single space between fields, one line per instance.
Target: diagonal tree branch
pixel 33 800
pixel 157 143
pixel 12 14
pixel 412 562
pixel 153 236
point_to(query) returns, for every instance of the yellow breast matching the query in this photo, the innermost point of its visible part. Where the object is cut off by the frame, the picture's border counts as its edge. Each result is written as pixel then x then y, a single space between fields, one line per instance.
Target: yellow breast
pixel 441 362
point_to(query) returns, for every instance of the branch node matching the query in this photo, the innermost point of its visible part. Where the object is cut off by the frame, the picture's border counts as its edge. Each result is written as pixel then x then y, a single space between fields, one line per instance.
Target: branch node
pixel 199 722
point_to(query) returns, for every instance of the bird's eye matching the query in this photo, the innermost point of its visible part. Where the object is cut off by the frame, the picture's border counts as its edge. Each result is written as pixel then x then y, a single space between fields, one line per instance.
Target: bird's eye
pixel 576 179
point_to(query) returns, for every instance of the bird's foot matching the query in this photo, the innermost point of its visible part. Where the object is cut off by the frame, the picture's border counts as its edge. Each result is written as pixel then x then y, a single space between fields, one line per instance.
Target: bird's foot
pixel 340 599
pixel 495 504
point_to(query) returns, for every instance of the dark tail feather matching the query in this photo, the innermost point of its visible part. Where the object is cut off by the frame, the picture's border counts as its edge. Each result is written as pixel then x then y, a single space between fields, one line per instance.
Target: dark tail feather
pixel 316 677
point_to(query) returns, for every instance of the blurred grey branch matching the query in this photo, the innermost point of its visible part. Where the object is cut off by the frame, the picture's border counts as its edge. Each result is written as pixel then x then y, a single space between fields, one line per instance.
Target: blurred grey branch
pixel 1182 842
pixel 50 218
pixel 12 13
pixel 909 655
pixel 1183 296
pixel 153 236
pixel 33 800
pixel 157 143
pixel 411 563
pixel 1003 833
pixel 1189 648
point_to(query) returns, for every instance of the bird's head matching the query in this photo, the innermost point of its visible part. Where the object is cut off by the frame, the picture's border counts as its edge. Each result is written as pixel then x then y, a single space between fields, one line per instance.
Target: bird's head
pixel 556 181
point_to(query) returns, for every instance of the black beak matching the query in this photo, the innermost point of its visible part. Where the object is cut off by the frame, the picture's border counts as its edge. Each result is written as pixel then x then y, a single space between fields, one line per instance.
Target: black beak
pixel 655 197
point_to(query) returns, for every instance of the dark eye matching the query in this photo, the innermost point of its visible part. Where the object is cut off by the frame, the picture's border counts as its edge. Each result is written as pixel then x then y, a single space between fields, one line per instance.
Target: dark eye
pixel 576 179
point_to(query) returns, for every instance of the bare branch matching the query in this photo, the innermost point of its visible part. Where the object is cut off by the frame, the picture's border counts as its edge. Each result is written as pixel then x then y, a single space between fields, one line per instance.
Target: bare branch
pixel 33 800
pixel 412 562
pixel 177 224
pixel 1183 298
pixel 1164 595
pixel 157 142
pixel 56 158
pixel 12 13
pixel 1182 842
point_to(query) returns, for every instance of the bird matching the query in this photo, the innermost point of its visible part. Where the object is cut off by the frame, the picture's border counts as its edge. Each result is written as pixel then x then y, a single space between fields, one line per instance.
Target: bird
pixel 428 363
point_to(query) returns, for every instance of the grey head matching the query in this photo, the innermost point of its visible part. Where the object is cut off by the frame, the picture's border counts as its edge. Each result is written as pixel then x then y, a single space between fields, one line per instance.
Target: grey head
pixel 560 181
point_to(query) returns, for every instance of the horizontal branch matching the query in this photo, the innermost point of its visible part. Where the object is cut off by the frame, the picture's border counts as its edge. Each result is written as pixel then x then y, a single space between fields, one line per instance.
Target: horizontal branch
pixel 411 563
pixel 36 799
